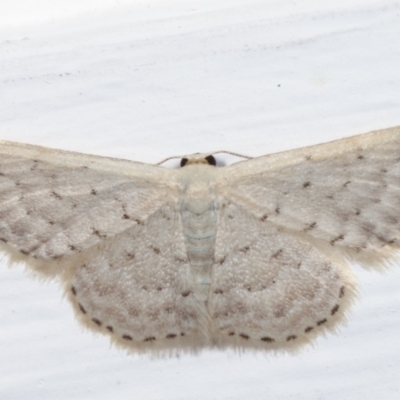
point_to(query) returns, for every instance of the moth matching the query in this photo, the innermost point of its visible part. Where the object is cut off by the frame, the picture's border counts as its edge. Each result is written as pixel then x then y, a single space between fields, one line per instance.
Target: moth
pixel 254 255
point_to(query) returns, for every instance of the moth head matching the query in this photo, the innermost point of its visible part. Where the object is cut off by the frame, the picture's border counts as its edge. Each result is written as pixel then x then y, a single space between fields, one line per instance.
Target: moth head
pixel 198 158
pixel 202 158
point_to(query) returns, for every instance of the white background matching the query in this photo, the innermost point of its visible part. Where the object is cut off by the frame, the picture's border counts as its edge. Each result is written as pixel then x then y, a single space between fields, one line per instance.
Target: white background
pixel 147 79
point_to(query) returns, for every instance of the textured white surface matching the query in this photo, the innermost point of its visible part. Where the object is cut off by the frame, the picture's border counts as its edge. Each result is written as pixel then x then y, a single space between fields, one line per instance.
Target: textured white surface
pixel 161 79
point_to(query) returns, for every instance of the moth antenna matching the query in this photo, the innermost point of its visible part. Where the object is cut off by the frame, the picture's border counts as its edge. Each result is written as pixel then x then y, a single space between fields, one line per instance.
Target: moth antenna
pixel 169 158
pixel 233 154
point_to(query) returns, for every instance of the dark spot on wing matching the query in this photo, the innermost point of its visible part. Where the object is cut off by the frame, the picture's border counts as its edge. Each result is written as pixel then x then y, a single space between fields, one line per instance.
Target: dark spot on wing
pixel 291 337
pixel 98 234
pixel 231 333
pixel 35 165
pixel 360 157
pixel 218 291
pixel 385 240
pixel 3 240
pixel 110 328
pixel 308 329
pixel 267 339
pixel 165 216
pixel 221 261
pixel 277 253
pixel 306 184
pixel 244 336
pixel 170 336
pixel 93 192
pixel 244 249
pixel 56 195
pixel 341 293
pixel 322 321
pixel 125 216
pixel 184 162
pixel 149 339
pixel 186 293
pixel 333 241
pixel 346 183
pixel 96 321
pixel 335 309
pixel 82 308
pixel 73 290
pixel 24 252
pixel 264 217
pixel 155 249
pixel 310 227
pixel 127 337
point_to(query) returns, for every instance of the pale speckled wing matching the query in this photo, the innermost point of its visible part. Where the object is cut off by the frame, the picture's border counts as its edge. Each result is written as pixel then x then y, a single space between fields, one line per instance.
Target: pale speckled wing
pixel 345 194
pixel 138 286
pixel 270 289
pixel 55 204
pixel 112 230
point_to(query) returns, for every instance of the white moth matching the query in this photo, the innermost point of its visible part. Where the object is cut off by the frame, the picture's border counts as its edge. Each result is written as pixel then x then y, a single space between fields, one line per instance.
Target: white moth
pixel 252 255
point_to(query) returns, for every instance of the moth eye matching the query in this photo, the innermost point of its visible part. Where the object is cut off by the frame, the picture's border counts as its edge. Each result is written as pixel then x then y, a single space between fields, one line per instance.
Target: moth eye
pixel 184 162
pixel 211 160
